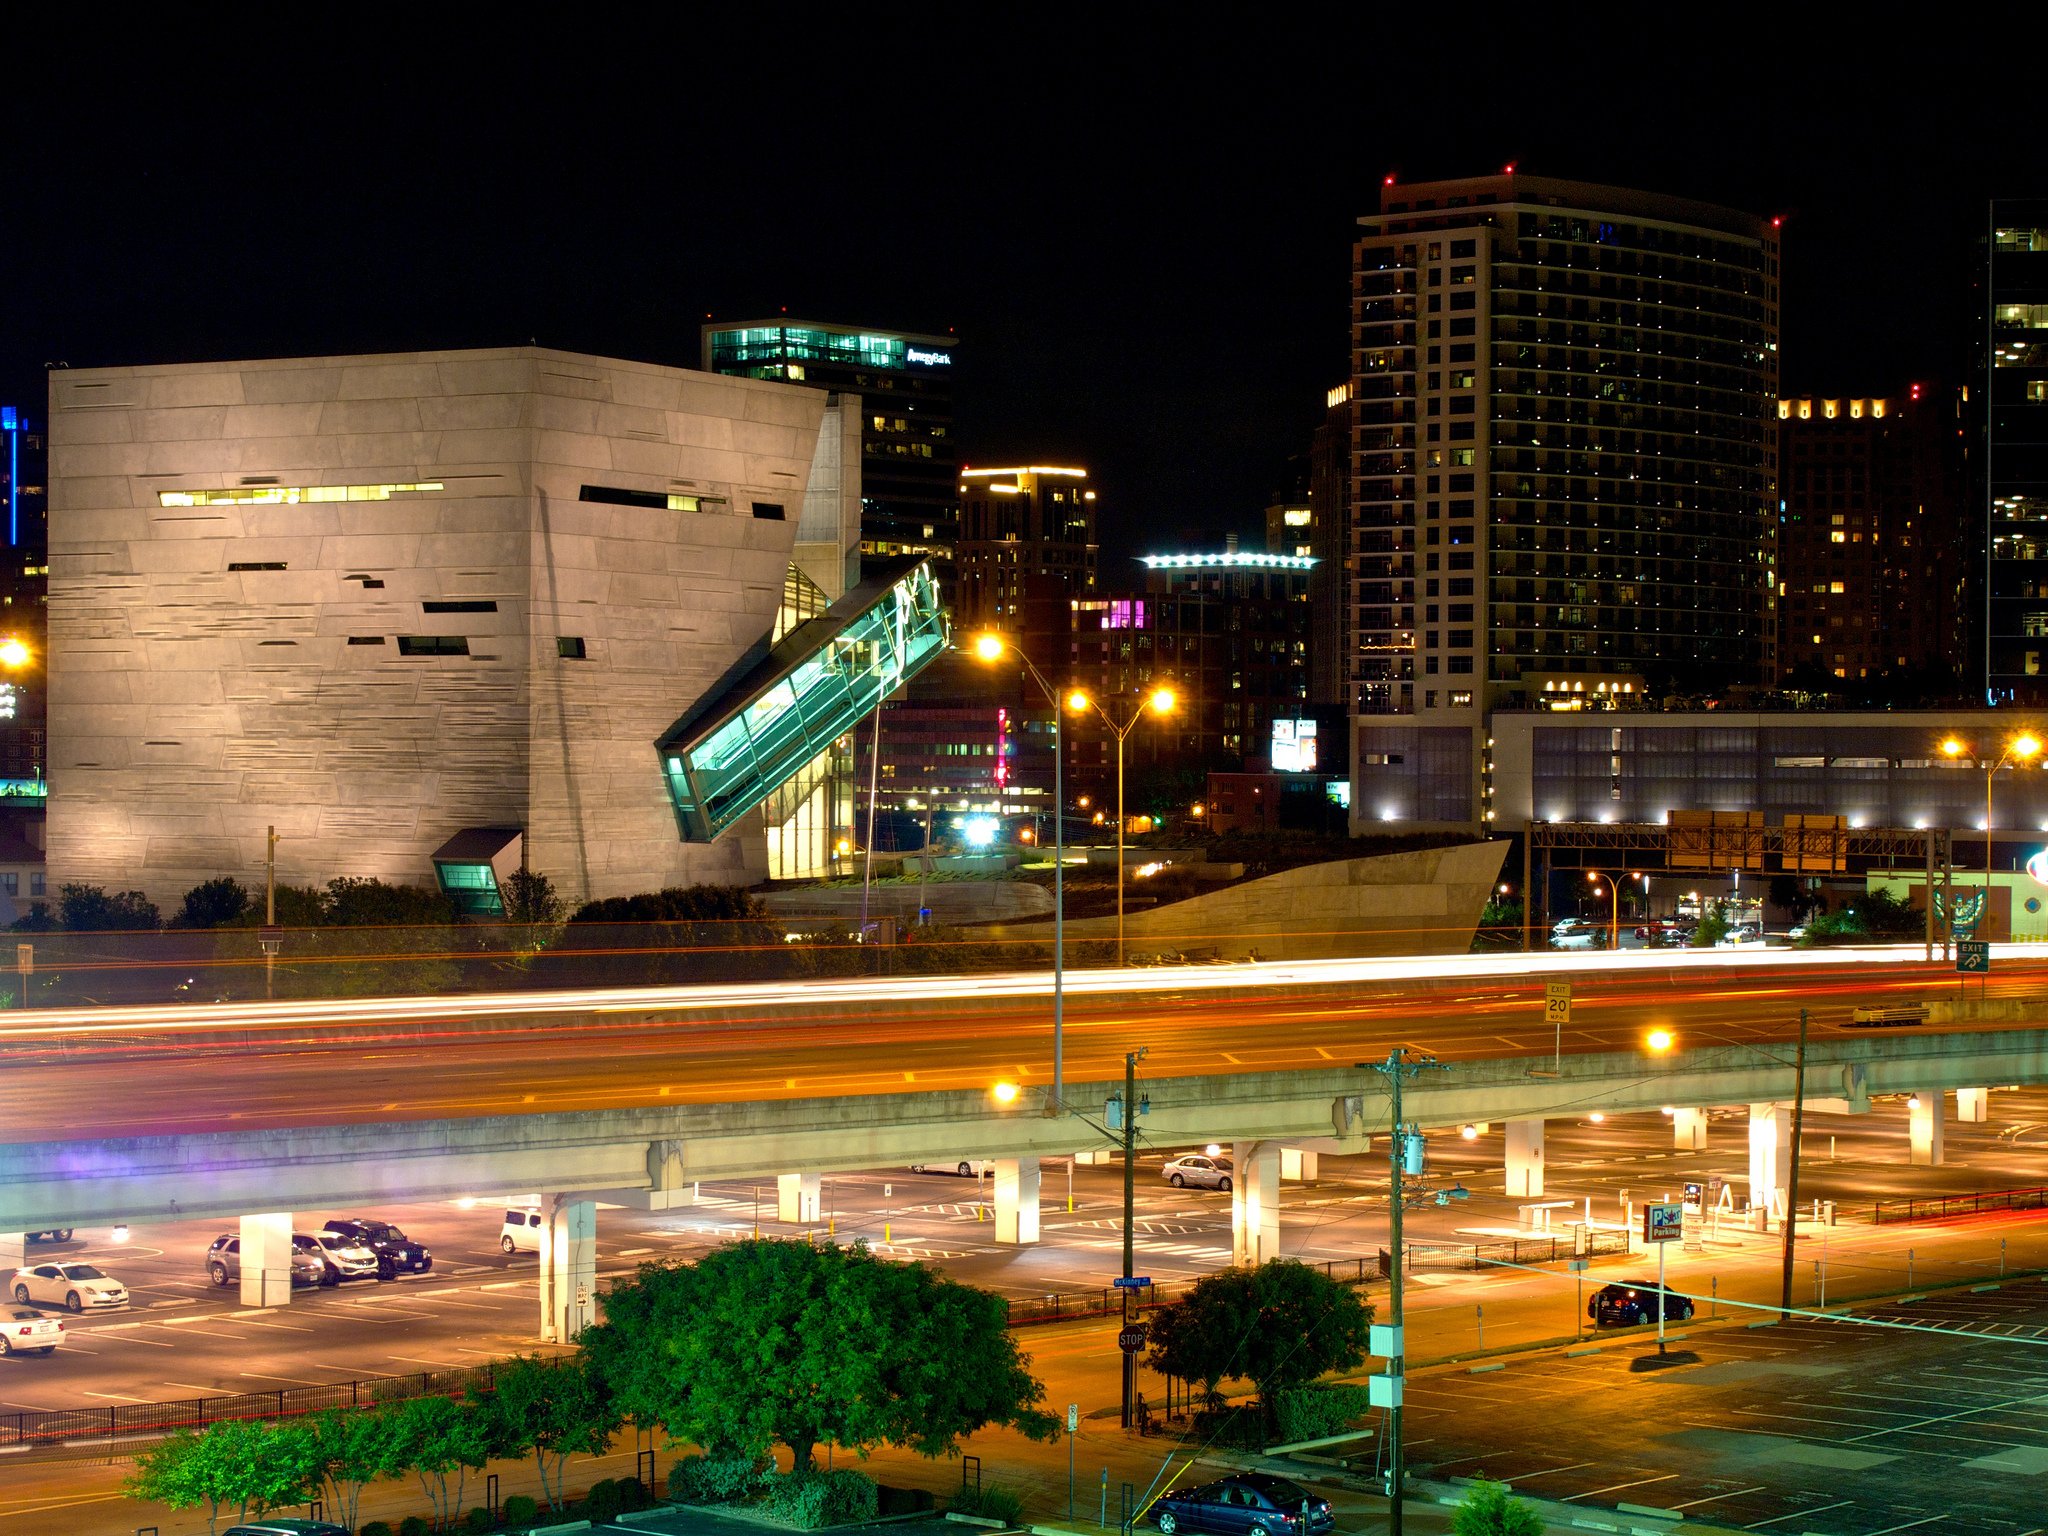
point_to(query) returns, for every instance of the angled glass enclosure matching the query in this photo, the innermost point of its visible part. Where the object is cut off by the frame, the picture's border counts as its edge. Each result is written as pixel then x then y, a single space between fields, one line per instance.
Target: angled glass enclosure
pixel 774 714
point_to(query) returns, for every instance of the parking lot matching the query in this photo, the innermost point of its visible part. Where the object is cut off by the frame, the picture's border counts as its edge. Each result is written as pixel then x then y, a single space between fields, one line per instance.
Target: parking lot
pixel 1806 1426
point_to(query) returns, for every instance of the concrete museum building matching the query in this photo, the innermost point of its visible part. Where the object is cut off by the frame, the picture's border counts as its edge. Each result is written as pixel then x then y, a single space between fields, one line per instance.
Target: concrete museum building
pixel 434 615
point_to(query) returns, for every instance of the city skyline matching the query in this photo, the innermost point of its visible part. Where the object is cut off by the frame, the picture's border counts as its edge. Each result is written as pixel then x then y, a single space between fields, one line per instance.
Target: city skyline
pixel 1148 268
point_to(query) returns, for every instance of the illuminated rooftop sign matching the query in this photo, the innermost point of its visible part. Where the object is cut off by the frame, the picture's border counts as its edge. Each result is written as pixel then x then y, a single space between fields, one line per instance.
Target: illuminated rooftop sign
pixel 1229 560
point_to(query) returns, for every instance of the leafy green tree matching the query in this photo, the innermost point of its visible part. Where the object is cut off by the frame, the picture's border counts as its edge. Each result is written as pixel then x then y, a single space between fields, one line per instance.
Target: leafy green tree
pixel 348 1446
pixel 768 1341
pixel 1490 1510
pixel 351 902
pixel 89 909
pixel 1279 1325
pixel 440 1440
pixel 250 1464
pixel 214 903
pixel 530 898
pixel 550 1409
pixel 1713 926
pixel 683 933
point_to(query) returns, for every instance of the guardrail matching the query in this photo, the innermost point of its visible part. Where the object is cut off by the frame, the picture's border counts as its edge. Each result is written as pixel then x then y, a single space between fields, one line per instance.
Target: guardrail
pixel 1935 1207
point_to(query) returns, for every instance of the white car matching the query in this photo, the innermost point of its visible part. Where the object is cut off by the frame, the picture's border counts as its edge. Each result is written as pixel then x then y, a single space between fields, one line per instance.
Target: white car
pixel 967 1167
pixel 1578 936
pixel 1197 1171
pixel 24 1328
pixel 521 1232
pixel 73 1285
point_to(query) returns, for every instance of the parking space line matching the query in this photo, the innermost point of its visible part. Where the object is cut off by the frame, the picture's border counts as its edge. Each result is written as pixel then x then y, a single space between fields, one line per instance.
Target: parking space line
pixel 1662 1477
pixel 1715 1497
pixel 1909 1525
pixel 1797 1514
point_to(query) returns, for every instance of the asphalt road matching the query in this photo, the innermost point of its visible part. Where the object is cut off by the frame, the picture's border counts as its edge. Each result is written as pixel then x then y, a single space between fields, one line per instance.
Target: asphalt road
pixel 184 1338
pixel 190 1081
pixel 1805 1426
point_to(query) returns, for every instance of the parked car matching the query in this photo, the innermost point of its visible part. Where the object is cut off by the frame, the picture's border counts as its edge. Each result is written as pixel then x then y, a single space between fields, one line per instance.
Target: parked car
pixel 395 1251
pixel 1199 1171
pixel 521 1232
pixel 1632 1302
pixel 24 1328
pixel 72 1285
pixel 967 1167
pixel 224 1262
pixel 1248 1504
pixel 1578 936
pixel 341 1258
pixel 50 1235
pixel 287 1525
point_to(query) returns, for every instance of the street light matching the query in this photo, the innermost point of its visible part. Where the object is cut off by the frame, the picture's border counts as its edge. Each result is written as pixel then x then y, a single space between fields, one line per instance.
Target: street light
pixel 1160 701
pixel 2019 751
pixel 990 647
pixel 1594 876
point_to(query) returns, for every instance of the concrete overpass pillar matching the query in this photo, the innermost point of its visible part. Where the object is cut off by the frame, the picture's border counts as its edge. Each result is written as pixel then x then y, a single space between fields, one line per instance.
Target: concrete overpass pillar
pixel 13 1252
pixel 1923 1127
pixel 568 1265
pixel 1299 1163
pixel 267 1259
pixel 1770 1155
pixel 1525 1157
pixel 797 1196
pixel 1689 1130
pixel 1016 1199
pixel 1973 1105
pixel 1255 1203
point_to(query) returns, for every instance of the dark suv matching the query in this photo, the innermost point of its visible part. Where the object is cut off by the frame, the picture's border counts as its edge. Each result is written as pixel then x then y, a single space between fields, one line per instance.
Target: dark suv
pixel 1631 1302
pixel 396 1253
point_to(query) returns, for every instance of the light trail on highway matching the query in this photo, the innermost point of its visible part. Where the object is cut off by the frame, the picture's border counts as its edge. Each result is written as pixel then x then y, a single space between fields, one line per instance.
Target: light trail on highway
pixel 238 1066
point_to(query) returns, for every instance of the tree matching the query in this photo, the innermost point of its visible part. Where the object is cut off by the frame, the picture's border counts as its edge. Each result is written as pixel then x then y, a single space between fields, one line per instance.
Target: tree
pixel 214 903
pixel 766 1341
pixel 551 1409
pixel 347 1445
pixel 1713 926
pixel 530 898
pixel 250 1464
pixel 89 909
pixel 1278 1325
pixel 351 902
pixel 436 1439
pixel 1795 898
pixel 1489 1510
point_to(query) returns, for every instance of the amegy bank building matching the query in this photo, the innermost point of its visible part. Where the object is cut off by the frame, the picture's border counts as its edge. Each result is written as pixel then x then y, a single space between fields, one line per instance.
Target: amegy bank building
pixel 439 614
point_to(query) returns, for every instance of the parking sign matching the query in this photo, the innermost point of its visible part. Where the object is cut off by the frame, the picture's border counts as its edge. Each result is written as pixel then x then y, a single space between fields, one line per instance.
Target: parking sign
pixel 1663 1223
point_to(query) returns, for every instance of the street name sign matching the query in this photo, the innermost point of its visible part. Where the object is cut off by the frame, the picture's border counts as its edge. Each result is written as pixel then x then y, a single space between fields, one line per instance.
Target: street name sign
pixel 1131 1282
pixel 1663 1223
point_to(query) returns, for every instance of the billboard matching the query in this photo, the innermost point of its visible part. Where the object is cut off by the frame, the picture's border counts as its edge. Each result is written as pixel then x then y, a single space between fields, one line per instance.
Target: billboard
pixel 1294 746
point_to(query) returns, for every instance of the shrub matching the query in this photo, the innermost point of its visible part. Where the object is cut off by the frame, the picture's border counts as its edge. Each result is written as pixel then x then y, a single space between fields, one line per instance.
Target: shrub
pixel 520 1510
pixel 1310 1413
pixel 1489 1510
pixel 376 1528
pixel 797 1499
pixel 413 1525
pixel 602 1502
pixel 714 1479
pixel 633 1495
pixel 851 1495
pixel 990 1501
pixel 479 1520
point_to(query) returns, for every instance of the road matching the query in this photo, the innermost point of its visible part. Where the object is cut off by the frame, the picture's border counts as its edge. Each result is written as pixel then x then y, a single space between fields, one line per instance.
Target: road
pixel 174 1072
pixel 183 1338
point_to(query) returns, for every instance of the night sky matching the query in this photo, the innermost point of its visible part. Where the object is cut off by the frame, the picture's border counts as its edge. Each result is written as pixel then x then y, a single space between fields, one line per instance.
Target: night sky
pixel 1139 232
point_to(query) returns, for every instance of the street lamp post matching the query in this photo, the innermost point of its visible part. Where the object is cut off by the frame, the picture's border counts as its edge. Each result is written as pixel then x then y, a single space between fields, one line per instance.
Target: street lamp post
pixel 2019 751
pixel 1160 701
pixel 990 647
pixel 1594 876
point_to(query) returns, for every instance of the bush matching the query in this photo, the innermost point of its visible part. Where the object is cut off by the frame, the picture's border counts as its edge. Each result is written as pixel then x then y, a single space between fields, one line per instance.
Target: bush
pixel 990 1501
pixel 633 1495
pixel 797 1499
pixel 520 1510
pixel 714 1479
pixel 851 1495
pixel 602 1502
pixel 414 1525
pixel 1489 1510
pixel 1310 1413
pixel 479 1520
pixel 376 1528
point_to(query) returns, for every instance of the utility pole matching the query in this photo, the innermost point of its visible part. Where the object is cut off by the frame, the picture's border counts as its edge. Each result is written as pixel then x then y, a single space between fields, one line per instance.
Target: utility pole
pixel 1130 1129
pixel 1792 1177
pixel 272 938
pixel 1404 1154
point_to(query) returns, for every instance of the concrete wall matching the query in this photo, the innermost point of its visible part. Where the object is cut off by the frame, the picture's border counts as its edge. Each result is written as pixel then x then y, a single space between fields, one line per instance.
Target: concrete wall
pixel 192 705
pixel 1423 902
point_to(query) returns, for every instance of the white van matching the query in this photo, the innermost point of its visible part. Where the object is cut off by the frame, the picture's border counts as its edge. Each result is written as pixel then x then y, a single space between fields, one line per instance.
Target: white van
pixel 521 1232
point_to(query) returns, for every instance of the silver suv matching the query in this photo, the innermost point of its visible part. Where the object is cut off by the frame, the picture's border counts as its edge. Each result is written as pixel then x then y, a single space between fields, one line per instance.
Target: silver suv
pixel 341 1258
pixel 224 1263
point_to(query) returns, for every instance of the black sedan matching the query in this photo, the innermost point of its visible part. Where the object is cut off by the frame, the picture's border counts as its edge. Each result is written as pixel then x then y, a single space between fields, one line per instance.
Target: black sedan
pixel 1252 1502
pixel 1632 1302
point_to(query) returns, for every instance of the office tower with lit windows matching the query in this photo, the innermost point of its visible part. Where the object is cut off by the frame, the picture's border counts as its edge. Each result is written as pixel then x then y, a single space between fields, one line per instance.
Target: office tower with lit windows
pixel 909 462
pixel 1566 433
pixel 2011 420
pixel 1869 553
pixel 1027 540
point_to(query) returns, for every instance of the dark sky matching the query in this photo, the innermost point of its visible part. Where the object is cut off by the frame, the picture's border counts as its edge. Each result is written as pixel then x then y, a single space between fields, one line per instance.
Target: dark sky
pixel 1139 230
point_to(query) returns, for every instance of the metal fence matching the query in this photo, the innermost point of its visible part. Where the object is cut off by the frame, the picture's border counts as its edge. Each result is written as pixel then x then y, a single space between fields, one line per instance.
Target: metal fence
pixel 1935 1207
pixel 1593 1244
pixel 70 1427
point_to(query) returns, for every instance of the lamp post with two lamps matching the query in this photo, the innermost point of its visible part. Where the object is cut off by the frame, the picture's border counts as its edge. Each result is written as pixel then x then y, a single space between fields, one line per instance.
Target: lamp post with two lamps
pixel 2018 752
pixel 1160 701
pixel 990 647
pixel 1594 877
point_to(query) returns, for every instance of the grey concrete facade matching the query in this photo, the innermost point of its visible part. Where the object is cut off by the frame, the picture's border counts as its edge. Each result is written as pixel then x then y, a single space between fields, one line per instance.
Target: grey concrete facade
pixel 459 636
